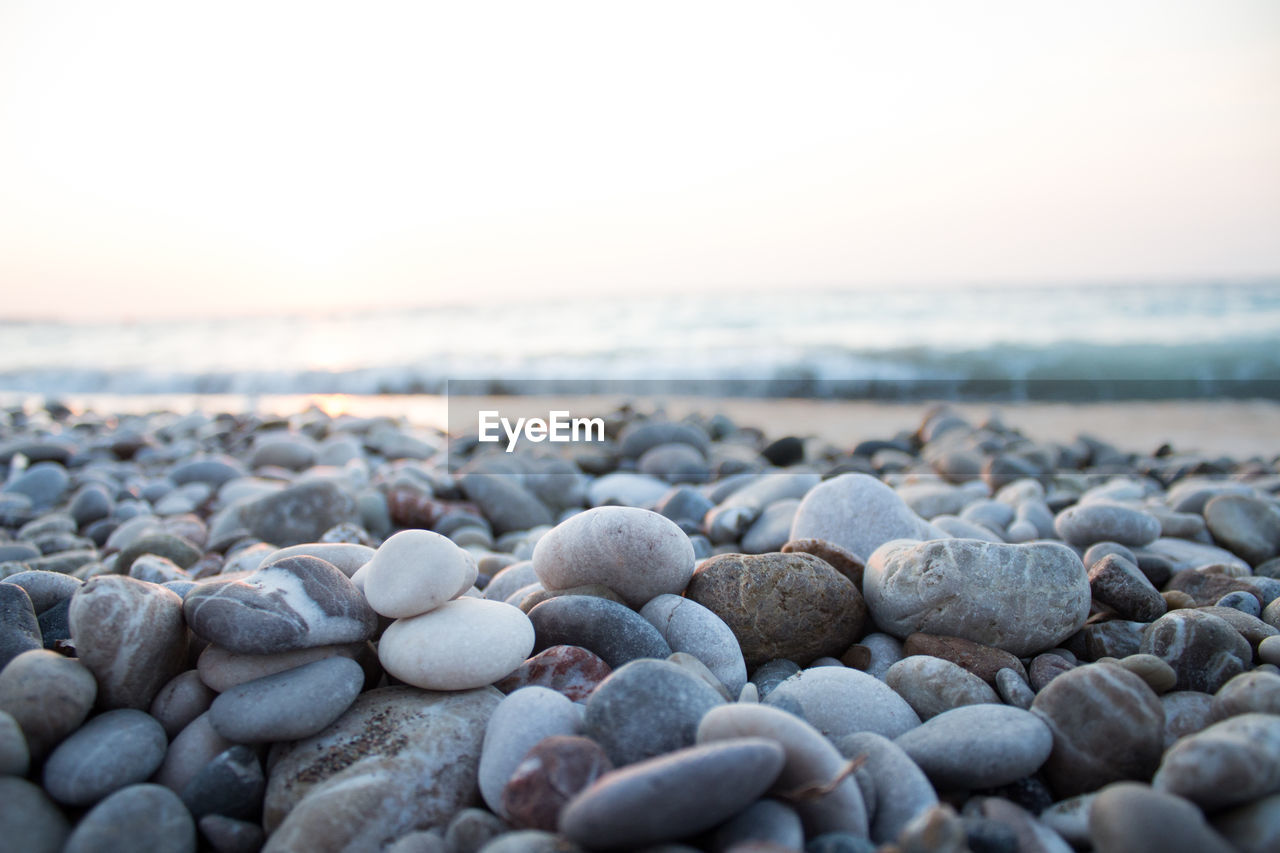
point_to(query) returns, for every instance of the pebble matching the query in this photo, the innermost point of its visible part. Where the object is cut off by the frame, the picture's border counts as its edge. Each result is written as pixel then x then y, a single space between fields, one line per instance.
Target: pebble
pixel 1045 668
pixel 189 752
pixel 1084 524
pixel 181 552
pixel 416 571
pixel 19 627
pixel 772 529
pixel 1070 819
pixel 221 670
pixel 793 606
pixel 289 705
pixel 637 553
pixel 882 652
pixel 830 553
pixel 611 630
pixel 626 488
pixel 29 821
pixel 840 701
pixel 1204 650
pixel 647 708
pixel 15 757
pixel 691 628
pixel 1249 692
pixel 1230 763
pixel 902 791
pixel 228 835
pixel 399 759
pixel 1246 525
pixel 138 818
pixel 1184 554
pixel 551 773
pixel 762 826
pixel 1245 602
pixel 674 462
pixel 180 701
pixel 1269 650
pixel 933 685
pixel 294 603
pixel 506 504
pixel 1107 726
pixel 674 795
pixel 43 484
pixel 1014 690
pixel 231 785
pixel 640 436
pixel 1185 712
pixel 1127 817
pixel 521 720
pixel 48 695
pixel 298 514
pixel 462 644
pixel 1159 676
pixel 1020 598
pixel 569 670
pixel 1119 584
pixel 76 773
pixel 978 746
pixel 859 513
pixel 831 800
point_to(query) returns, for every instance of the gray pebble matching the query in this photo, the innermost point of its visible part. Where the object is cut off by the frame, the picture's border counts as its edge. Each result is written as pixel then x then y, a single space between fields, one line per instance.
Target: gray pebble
pixel 29 821
pixel 1014 690
pixel 289 705
pixel 902 791
pixel 230 785
pixel 613 631
pixel 931 685
pixel 48 695
pixel 840 701
pixel 978 746
pixel 15 758
pixel 228 835
pixel 140 818
pixel 19 627
pixel 111 751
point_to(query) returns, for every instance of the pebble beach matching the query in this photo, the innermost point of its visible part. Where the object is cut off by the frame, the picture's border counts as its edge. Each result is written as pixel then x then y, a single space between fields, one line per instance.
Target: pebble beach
pixel 939 629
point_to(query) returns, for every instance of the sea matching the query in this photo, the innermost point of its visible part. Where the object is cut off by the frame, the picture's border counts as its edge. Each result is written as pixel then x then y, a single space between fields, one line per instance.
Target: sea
pixel 1202 340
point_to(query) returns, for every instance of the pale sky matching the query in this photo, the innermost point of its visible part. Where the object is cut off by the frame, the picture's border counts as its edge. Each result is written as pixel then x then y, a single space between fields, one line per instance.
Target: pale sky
pixel 178 158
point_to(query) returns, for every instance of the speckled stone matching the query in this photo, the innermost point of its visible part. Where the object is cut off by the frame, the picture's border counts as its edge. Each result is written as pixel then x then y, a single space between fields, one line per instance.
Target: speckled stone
pixel 289 705
pixel 1203 649
pixel 933 685
pixel 1086 523
pixel 978 746
pixel 48 695
pixel 548 776
pixel 570 670
pixel 1107 726
pixel 1230 763
pixel 613 631
pixel 792 606
pixel 839 701
pixel 1020 598
pixel 137 818
pixel 78 772
pixel 1119 584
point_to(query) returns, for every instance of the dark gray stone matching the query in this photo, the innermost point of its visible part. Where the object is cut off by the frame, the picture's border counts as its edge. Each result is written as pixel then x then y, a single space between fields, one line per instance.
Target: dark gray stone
pixel 45 588
pixel 230 785
pixel 611 630
pixel 141 819
pixel 1247 526
pixel 29 820
pixel 19 627
pixel 298 514
pixel 91 503
pixel 1203 649
pixel 1121 585
pixel 506 504
pixel 1130 818
pixel 978 746
pixel 43 484
pixel 110 751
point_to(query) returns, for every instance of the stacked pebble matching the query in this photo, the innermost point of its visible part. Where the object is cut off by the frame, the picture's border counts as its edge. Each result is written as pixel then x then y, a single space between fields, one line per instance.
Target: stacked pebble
pixel 232 633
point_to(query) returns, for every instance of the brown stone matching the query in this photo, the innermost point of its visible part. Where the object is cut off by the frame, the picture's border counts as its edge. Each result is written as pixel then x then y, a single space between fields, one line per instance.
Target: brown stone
pixel 1206 587
pixel 793 606
pixel 556 769
pixel 982 660
pixel 1119 584
pixel 571 670
pixel 1045 668
pixel 843 561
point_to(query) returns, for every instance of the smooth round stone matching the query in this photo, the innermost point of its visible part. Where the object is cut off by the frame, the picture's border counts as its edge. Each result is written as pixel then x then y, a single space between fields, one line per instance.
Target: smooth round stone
pixel 1230 763
pixel 613 631
pixel 691 628
pixel 1183 554
pixel 112 750
pixel 292 452
pixel 1070 819
pixel 1107 727
pixel 978 746
pixel 902 791
pixel 289 705
pixel 221 669
pixel 399 759
pixel 551 773
pixel 520 721
pixel 180 701
pixel 230 785
pixel 48 695
pixel 294 603
pixel 29 820
pixel 416 571
pixel 1086 523
pixel 674 462
pixel 15 757
pixel 1121 585
pixel 228 835
pixel 90 504
pixel 792 606
pixel 672 796
pixel 772 529
pixel 1245 602
pixel 535 841
pixel 43 483
pixel 933 685
pixel 19 627
pixel 142 818
pixel 510 579
pixel 684 504
pixel 1254 828
pixel 1014 690
pixel 960 529
pixel 131 636
pixel 647 708
pixel 157 570
pixel 1159 676
pixel 839 701
pixel 764 825
pixel 471 829
pixel 181 552
pixel 882 652
pixel 1204 650
pixel 569 670
pixel 298 514
pixel 858 513
pixel 1248 526
pixel 462 644
pixel 214 470
pixel 1130 818
pixel 189 752
pixel 626 488
pixel 981 660
pixel 1249 692
pixel 637 553
pixel 1253 629
pixel 346 557
pixel 830 799
pixel 1020 598
pixel 1269 650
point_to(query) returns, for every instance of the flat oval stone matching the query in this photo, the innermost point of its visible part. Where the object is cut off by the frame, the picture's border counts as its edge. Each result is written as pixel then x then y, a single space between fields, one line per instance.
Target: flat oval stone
pixel 978 746
pixel 691 628
pixel 112 750
pixel 1248 526
pixel 221 669
pixel 858 513
pixel 637 553
pixel 1130 818
pixel 1087 523
pixel 416 571
pixel 647 708
pixel 131 636
pixel 294 603
pixel 46 589
pixel 569 670
pixel 1204 650
pixel 140 817
pixel 902 791
pixel 29 820
pixel 1020 598
pixel 830 799
pixel 398 759
pixel 616 633
pixel 792 606
pixel 180 701
pixel 1250 692
pixel 550 775
pixel 289 705
pixel 48 695
pixel 933 685
pixel 1107 727
pixel 462 644
pixel 839 701
pixel 674 795
pixel 1228 764
pixel 520 721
